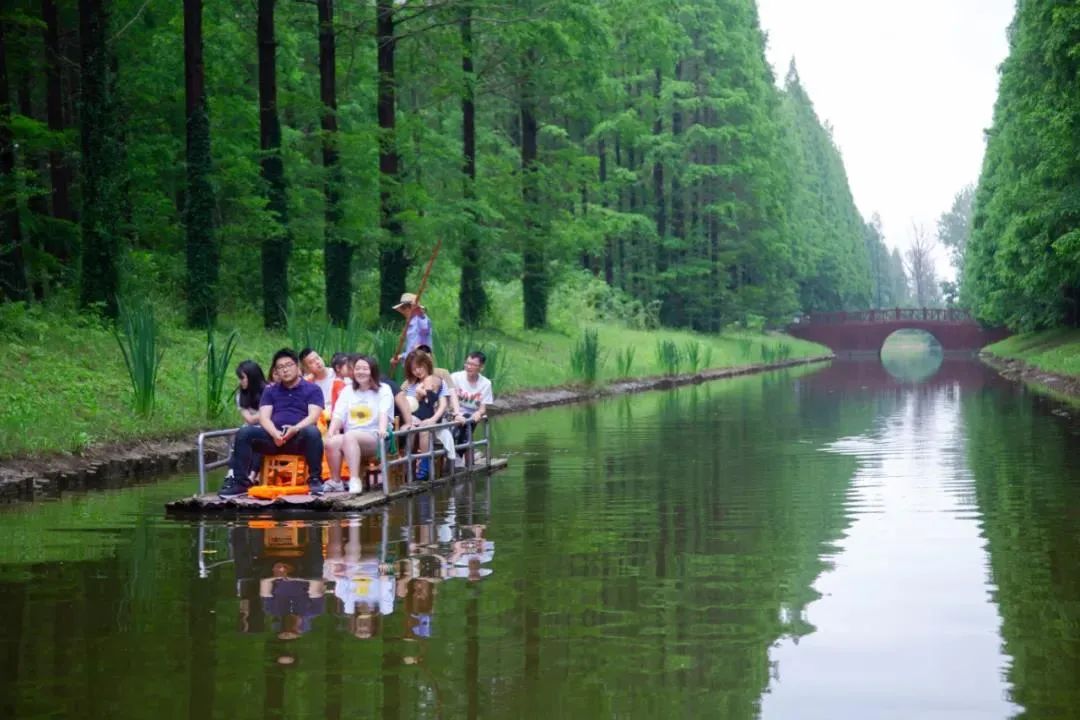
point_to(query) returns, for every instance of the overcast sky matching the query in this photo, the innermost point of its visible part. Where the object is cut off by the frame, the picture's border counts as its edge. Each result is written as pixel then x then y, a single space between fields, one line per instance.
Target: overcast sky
pixel 908 87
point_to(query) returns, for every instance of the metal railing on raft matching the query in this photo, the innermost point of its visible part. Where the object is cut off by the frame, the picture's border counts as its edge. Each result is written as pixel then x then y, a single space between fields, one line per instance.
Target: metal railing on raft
pixel 385 464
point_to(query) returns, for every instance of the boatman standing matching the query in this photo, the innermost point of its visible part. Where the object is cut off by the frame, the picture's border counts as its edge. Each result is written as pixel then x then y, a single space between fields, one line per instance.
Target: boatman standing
pixel 418 331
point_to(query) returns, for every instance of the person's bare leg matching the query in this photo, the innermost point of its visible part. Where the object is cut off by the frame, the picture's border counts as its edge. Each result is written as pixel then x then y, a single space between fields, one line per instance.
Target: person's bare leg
pixel 333 456
pixel 351 446
pixel 368 448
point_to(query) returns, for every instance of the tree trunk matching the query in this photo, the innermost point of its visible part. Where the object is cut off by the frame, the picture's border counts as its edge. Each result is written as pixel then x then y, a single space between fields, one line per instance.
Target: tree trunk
pixel 59 172
pixel 608 261
pixel 393 262
pixel 678 211
pixel 472 300
pixel 13 285
pixel 337 252
pixel 277 247
pixel 37 204
pixel 102 208
pixel 203 256
pixel 658 179
pixel 534 276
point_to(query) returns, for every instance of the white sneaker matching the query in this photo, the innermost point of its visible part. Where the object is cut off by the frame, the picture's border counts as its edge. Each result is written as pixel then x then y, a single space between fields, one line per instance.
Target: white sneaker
pixel 459 463
pixel 333 486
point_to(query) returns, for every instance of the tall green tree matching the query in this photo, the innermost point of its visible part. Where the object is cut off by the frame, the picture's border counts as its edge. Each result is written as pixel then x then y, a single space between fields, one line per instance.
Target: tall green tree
pixel 472 298
pixel 831 261
pixel 277 245
pixel 1022 262
pixel 202 249
pixel 102 164
pixel 954 226
pixel 13 282
pixel 337 249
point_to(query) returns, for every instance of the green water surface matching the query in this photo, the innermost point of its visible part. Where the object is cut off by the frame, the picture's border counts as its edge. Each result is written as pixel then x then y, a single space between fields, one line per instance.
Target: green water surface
pixel 833 542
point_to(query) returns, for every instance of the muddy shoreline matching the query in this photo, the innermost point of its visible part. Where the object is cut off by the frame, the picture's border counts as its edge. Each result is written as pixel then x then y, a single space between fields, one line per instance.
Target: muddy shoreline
pixel 1020 371
pixel 122 464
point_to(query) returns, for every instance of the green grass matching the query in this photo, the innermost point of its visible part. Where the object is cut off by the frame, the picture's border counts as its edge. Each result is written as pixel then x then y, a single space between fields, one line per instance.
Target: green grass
pixel 1055 351
pixel 64 385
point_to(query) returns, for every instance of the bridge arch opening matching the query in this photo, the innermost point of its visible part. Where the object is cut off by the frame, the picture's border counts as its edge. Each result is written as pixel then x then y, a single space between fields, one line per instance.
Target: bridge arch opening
pixel 911 355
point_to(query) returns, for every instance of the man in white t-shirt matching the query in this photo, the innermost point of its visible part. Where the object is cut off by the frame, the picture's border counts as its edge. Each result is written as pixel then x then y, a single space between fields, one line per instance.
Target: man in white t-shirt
pixel 473 391
pixel 316 371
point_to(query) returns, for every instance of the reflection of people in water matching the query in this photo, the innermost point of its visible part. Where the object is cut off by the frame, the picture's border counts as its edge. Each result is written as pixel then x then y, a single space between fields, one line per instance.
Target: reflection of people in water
pixel 416 581
pixel 277 575
pixel 294 601
pixel 363 588
pixel 469 554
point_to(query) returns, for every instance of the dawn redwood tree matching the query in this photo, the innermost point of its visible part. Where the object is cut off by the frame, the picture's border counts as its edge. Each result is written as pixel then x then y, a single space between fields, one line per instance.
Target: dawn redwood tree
pixel 954 226
pixel 472 300
pixel 59 171
pixel 337 251
pixel 534 281
pixel 202 249
pixel 1021 265
pixel 277 246
pixel 13 284
pixel 102 165
pixel 393 260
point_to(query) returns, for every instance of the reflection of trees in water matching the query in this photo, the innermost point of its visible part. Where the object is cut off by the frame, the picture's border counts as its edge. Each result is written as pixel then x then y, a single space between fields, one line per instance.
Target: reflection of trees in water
pixel 675 554
pixel 1027 486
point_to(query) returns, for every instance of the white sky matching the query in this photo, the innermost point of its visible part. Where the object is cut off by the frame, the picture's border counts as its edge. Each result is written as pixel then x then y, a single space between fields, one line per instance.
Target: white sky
pixel 908 87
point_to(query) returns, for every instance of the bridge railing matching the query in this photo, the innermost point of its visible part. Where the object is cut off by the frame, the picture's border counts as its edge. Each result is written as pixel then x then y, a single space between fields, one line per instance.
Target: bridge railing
pixel 942 315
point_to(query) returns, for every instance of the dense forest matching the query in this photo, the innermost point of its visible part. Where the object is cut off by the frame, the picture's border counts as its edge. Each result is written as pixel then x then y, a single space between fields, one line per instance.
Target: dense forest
pixel 311 156
pixel 1021 265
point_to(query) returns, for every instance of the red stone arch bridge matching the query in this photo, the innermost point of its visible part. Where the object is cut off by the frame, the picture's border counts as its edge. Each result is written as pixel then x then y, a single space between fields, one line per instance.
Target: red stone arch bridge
pixel 866 330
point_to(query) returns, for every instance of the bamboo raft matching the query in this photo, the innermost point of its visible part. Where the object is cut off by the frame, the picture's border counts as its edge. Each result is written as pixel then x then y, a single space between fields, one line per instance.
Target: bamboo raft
pixel 329 502
pixel 396 473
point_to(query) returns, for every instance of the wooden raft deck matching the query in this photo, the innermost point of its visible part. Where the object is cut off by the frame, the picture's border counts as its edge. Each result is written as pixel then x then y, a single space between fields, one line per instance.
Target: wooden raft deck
pixel 329 502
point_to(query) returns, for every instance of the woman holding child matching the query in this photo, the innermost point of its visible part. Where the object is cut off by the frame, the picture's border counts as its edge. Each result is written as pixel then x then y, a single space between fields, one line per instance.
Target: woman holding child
pixel 430 394
pixel 363 411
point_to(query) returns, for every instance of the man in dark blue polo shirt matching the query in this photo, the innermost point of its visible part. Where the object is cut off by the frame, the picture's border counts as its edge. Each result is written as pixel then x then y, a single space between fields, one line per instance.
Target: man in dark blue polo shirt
pixel 288 415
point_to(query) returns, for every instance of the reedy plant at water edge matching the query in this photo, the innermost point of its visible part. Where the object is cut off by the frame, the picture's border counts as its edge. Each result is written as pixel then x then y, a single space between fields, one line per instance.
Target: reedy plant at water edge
pixel 218 360
pixel 692 354
pixel 451 348
pixel 384 343
pixel 585 357
pixel 323 336
pixel 497 365
pixel 624 361
pixel 668 356
pixel 138 338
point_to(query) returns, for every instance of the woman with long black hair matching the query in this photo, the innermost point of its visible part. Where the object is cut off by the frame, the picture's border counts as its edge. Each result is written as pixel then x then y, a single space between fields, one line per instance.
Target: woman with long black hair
pixel 248 392
pixel 252 382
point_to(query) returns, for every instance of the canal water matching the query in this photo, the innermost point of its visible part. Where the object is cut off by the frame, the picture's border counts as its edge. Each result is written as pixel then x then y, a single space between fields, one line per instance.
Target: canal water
pixel 842 541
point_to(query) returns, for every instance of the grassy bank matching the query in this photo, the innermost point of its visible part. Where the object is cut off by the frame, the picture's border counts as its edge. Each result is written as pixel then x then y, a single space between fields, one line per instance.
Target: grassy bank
pixel 65 387
pixel 1054 351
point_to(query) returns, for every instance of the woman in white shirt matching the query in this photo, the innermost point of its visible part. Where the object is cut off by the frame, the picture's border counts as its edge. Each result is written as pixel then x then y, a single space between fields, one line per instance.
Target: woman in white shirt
pixel 363 412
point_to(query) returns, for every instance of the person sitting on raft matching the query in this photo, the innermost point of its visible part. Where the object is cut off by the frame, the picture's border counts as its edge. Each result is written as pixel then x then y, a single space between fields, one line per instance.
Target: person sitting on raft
pixel 447 380
pixel 249 390
pixel 288 416
pixel 473 393
pixel 363 411
pixel 248 393
pixel 430 394
pixel 342 376
pixel 316 372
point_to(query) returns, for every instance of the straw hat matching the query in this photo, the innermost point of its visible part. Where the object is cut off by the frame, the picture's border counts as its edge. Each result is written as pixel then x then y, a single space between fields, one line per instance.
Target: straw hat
pixel 407 301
